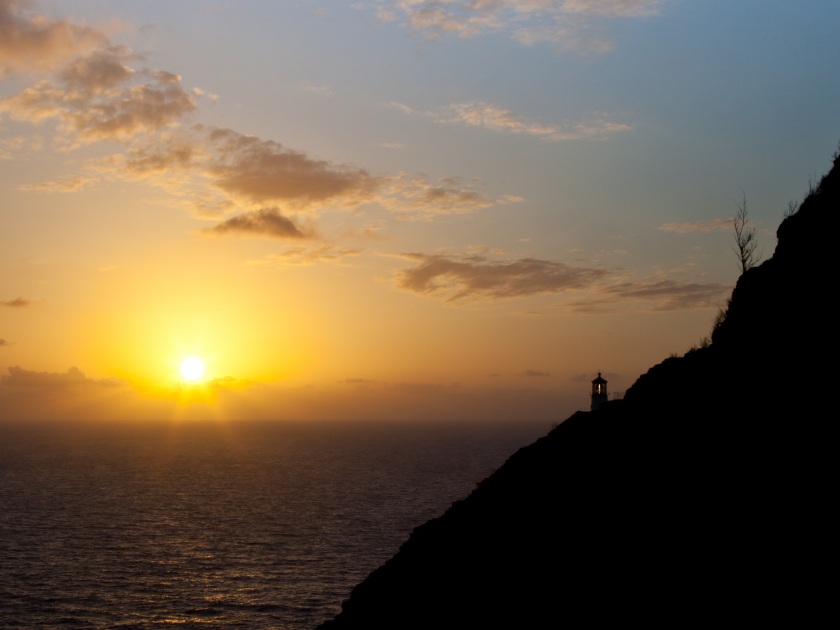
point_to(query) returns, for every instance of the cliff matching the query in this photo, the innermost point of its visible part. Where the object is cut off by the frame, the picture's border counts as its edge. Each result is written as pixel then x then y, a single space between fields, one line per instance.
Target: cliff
pixel 704 496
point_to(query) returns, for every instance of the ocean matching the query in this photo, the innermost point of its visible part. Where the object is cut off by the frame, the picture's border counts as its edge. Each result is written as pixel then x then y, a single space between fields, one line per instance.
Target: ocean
pixel 205 525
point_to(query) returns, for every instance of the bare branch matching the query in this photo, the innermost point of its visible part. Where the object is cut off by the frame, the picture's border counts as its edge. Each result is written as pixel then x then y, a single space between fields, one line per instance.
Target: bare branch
pixel 745 241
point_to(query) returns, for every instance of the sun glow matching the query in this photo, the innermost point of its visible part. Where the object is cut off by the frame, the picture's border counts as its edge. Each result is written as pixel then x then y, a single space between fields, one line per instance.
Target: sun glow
pixel 192 369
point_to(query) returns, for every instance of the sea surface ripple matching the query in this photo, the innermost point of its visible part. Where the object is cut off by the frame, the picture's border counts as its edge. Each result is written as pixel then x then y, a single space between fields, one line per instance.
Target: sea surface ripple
pixel 203 525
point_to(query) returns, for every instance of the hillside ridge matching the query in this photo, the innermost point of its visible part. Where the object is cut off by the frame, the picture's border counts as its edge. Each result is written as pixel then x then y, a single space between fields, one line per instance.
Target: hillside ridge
pixel 702 495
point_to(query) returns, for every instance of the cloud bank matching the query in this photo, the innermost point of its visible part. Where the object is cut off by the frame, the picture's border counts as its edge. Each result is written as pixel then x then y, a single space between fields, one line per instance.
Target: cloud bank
pixel 95 91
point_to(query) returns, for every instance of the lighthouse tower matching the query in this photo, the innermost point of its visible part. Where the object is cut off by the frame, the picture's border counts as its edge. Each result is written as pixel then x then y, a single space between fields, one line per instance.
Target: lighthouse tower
pixel 599 392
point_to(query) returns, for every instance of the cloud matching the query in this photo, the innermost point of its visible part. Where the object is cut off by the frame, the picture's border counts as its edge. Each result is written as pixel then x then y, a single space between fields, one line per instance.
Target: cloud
pixel 415 197
pixel 16 303
pixel 63 185
pixel 19 377
pixel 357 381
pixel 264 171
pixel 35 43
pixel 566 24
pixel 613 8
pixel 320 90
pixel 3 343
pixel 538 373
pixel 252 172
pixel 659 295
pixel 476 277
pixel 97 91
pixel 8 146
pixel 496 118
pixel 38 396
pixel 264 222
pixel 480 114
pixel 420 388
pixel 301 256
pixel 714 225
pixel 169 152
pixel 98 97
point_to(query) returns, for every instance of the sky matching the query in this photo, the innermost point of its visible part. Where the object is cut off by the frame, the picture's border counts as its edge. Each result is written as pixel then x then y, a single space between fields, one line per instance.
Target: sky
pixel 390 209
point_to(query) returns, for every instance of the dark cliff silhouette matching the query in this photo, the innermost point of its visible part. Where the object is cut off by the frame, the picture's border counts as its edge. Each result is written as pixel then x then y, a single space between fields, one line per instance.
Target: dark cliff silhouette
pixel 705 495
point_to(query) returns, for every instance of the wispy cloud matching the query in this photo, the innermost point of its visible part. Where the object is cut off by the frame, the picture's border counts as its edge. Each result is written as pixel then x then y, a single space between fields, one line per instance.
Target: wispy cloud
pixel 496 118
pixel 303 256
pixel 415 197
pixel 577 25
pixel 657 295
pixel 63 185
pixel 319 90
pixel 714 225
pixel 537 373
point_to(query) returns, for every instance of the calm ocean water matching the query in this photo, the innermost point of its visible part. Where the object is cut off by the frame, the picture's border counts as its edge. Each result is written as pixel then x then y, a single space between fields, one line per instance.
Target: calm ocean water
pixel 251 525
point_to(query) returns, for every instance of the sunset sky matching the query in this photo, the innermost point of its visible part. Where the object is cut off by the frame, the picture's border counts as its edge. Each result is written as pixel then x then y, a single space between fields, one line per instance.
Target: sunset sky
pixel 387 209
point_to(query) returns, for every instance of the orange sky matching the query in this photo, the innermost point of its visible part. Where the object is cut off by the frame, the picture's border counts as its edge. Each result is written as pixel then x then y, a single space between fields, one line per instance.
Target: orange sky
pixel 364 212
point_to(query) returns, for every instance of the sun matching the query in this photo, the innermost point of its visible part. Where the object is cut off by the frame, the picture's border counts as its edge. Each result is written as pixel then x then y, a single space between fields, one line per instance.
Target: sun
pixel 192 369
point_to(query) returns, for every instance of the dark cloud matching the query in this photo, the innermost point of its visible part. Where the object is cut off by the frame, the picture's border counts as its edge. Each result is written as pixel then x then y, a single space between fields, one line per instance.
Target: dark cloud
pixel 3 342
pixel 264 222
pixel 16 303
pixel 671 295
pixel 659 296
pixel 453 278
pixel 477 277
pixel 262 171
pixel 19 377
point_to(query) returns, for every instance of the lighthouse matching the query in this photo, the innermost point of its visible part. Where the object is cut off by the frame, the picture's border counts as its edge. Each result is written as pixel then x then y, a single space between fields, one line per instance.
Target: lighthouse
pixel 599 392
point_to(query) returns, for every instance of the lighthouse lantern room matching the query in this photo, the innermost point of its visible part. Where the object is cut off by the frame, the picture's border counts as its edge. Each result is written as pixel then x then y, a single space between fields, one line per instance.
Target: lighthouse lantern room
pixel 599 392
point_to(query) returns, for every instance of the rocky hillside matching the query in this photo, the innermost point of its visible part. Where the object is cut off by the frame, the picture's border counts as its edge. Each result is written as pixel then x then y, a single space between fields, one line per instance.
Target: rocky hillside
pixel 704 496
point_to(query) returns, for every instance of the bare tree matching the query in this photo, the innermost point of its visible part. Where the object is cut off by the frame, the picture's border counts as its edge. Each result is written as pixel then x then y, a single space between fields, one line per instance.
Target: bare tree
pixel 745 242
